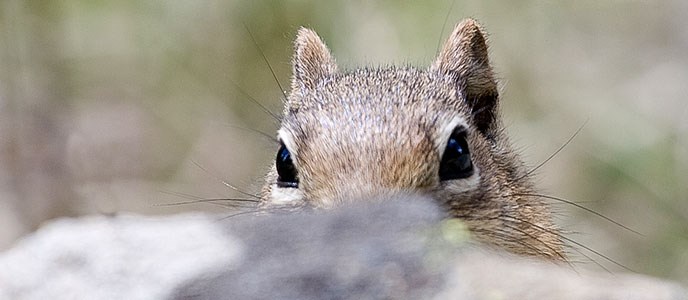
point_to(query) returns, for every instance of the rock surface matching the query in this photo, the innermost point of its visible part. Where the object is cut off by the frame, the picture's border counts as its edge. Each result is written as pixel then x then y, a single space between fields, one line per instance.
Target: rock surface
pixel 123 257
pixel 394 250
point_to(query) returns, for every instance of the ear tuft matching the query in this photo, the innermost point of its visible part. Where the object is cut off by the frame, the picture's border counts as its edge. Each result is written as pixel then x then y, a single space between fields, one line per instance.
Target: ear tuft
pixel 312 61
pixel 464 56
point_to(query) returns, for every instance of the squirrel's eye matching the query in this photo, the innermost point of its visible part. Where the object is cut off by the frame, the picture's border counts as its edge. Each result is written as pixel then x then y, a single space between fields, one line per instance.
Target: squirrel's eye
pixel 286 171
pixel 456 161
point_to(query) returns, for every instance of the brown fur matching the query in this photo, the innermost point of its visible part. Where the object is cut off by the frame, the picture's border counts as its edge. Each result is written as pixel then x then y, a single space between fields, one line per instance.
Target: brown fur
pixel 366 132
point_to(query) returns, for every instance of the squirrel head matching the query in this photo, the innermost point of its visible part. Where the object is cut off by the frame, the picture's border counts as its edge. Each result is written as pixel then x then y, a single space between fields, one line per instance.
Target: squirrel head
pixel 355 135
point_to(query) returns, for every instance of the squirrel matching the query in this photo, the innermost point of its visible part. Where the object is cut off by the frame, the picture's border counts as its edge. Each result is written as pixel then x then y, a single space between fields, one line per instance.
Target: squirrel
pixel 356 134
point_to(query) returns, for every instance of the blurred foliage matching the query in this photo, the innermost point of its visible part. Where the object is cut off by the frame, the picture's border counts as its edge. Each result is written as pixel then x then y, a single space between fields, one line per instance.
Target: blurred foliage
pixel 104 104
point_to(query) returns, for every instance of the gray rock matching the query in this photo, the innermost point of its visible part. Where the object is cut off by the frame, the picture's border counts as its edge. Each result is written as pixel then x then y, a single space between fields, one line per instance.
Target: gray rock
pixel 380 251
pixel 123 257
pixel 399 249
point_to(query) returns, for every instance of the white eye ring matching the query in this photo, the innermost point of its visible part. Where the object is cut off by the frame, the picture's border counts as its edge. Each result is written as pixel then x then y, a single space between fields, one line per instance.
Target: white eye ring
pixel 284 135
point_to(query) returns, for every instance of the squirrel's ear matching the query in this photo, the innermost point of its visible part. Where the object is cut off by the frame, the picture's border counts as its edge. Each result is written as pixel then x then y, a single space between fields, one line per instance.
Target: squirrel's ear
pixel 464 57
pixel 312 61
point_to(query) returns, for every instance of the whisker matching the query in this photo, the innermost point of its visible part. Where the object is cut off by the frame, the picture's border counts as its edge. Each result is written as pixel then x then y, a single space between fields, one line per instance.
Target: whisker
pixel 590 259
pixel 512 219
pixel 555 152
pixel 211 200
pixel 581 207
pixel 558 253
pixel 232 206
pixel 239 214
pixel 255 211
pixel 262 54
pixel 223 202
pixel 180 194
pixel 444 26
pixel 262 134
pixel 265 109
pixel 596 253
pixel 566 246
pixel 191 197
pixel 505 236
pixel 224 182
pixel 582 246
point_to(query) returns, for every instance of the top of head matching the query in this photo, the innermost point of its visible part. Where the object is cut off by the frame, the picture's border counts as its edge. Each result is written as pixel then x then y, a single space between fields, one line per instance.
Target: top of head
pixel 352 135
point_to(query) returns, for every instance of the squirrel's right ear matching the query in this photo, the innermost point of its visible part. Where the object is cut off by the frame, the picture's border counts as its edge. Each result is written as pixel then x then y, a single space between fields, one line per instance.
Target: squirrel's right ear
pixel 312 61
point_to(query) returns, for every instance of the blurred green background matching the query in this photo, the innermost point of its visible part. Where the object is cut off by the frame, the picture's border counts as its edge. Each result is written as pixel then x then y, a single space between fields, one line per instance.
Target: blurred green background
pixel 105 106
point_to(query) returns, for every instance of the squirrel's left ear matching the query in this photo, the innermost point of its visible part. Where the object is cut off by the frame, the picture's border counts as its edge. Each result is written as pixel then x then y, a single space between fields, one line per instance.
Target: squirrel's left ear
pixel 312 61
pixel 464 57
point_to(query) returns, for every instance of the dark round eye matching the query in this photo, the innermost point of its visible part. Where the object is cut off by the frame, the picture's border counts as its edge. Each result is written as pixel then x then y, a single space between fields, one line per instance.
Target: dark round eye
pixel 456 161
pixel 286 171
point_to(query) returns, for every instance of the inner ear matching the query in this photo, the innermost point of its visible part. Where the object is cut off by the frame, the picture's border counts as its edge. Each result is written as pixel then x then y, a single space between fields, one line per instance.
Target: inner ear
pixel 464 57
pixel 484 111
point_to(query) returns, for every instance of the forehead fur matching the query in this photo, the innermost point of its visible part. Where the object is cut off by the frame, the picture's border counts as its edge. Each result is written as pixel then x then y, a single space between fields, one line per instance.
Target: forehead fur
pixel 463 59
pixel 377 102
pixel 371 124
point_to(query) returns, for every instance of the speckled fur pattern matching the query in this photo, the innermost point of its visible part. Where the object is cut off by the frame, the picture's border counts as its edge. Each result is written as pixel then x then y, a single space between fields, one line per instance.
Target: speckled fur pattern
pixel 376 131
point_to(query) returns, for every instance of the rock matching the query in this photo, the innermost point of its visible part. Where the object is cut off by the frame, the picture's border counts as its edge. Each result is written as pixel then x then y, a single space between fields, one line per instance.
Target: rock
pixel 401 249
pixel 122 257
